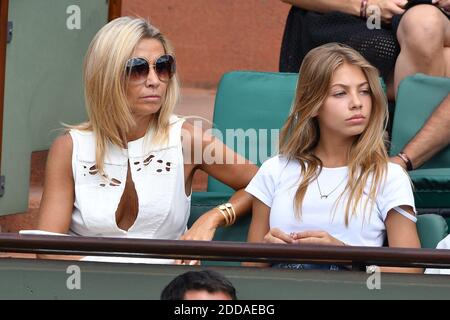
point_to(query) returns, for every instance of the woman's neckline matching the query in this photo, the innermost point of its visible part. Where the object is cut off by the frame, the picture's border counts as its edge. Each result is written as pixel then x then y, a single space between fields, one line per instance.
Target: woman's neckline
pixel 335 168
pixel 137 140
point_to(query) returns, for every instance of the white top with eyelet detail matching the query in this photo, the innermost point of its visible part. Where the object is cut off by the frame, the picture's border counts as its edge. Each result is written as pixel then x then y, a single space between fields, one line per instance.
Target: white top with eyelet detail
pixel 158 176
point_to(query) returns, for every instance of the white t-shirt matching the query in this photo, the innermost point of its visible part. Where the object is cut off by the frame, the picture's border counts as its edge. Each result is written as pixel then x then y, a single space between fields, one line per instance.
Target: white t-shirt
pixel 278 179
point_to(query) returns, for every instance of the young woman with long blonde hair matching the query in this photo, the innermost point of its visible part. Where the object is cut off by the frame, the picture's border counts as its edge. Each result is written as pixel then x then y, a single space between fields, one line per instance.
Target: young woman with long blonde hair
pixel 331 183
pixel 127 172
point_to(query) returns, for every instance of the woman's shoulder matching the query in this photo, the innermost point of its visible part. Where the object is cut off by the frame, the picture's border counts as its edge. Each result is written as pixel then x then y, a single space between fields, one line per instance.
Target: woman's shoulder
pixel 194 134
pixel 174 119
pixel 62 147
pixel 64 142
pixel 280 162
pixel 395 171
pixel 279 171
pixel 80 132
pixel 186 125
pixel 396 179
pixel 193 124
pixel 81 137
pixel 274 161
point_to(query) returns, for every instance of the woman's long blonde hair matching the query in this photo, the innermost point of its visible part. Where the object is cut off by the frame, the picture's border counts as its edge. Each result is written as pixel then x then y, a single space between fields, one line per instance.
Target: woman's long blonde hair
pixel 367 158
pixel 105 85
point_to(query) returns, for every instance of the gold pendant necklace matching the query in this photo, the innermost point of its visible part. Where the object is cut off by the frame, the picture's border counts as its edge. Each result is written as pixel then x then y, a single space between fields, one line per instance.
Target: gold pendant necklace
pixel 325 196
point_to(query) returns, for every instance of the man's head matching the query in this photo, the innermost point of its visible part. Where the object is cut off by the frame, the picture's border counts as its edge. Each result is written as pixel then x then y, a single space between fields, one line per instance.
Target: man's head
pixel 199 285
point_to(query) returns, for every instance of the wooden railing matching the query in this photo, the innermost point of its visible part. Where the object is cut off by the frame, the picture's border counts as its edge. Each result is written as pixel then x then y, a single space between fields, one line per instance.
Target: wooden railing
pixel 223 251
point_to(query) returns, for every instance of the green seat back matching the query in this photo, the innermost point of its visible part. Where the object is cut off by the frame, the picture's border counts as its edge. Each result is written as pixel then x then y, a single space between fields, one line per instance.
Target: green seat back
pixel 431 187
pixel 202 202
pixel 247 102
pixel 252 101
pixel 432 228
pixel 417 97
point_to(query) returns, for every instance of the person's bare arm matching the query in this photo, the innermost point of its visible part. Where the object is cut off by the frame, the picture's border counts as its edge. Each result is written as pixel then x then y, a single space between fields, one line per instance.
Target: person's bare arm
pixel 56 207
pixel 388 8
pixel 401 233
pixel 433 137
pixel 222 163
pixel 259 228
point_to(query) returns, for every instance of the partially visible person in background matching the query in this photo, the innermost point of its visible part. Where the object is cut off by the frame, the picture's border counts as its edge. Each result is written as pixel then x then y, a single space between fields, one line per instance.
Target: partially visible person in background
pixel 199 285
pixel 414 36
pixel 432 138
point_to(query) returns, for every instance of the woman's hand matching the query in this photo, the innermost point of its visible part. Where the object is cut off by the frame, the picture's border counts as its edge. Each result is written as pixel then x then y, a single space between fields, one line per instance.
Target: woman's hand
pixel 389 8
pixel 315 237
pixel 275 235
pixel 443 4
pixel 203 230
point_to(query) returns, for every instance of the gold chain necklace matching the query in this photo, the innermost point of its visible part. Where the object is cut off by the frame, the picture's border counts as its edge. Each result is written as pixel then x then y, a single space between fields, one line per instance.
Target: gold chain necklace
pixel 325 196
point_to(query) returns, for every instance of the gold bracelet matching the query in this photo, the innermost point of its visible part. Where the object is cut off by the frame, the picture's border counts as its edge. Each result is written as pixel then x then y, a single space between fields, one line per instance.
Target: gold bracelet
pixel 233 213
pixel 230 217
pixel 225 215
pixel 228 213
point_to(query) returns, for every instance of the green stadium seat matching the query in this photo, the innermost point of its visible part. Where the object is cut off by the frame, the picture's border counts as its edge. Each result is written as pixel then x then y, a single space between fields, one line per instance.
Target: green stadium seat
pixel 252 100
pixel 244 100
pixel 432 228
pixel 417 97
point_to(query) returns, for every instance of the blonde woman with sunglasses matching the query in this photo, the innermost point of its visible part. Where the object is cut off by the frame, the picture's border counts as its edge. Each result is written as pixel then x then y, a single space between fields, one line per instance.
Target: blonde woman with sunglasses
pixel 123 173
pixel 331 183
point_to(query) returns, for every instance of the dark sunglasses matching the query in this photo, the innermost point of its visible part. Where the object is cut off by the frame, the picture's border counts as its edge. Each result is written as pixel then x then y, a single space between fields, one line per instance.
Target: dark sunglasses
pixel 137 69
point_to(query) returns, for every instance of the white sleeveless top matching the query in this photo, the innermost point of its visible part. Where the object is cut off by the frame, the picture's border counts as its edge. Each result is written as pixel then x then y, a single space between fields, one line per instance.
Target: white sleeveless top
pixel 158 176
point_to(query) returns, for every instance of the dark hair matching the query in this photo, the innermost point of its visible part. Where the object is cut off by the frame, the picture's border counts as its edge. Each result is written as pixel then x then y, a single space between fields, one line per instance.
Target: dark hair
pixel 208 280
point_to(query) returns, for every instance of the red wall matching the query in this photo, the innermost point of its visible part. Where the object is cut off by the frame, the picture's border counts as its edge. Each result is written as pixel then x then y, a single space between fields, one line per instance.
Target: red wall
pixel 212 37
